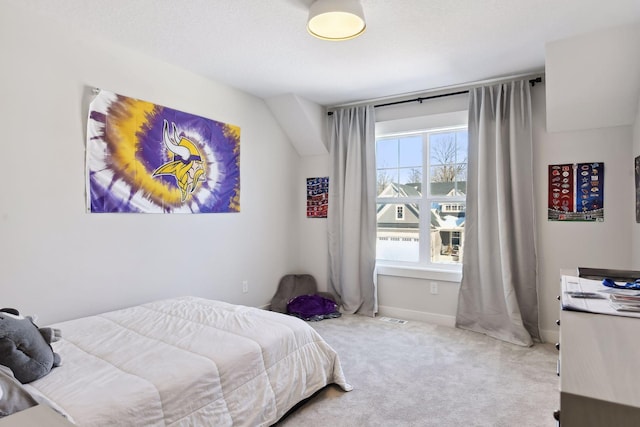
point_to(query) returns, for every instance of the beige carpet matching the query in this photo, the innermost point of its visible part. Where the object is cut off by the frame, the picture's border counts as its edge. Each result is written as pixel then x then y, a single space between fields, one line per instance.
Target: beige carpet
pixel 419 374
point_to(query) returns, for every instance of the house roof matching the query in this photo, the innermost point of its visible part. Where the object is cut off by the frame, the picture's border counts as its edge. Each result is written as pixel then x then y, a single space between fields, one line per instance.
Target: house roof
pixel 438 218
pixel 415 189
pixel 449 188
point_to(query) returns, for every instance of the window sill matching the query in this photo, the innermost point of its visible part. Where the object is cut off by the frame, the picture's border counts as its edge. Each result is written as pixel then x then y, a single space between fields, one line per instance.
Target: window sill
pixel 419 273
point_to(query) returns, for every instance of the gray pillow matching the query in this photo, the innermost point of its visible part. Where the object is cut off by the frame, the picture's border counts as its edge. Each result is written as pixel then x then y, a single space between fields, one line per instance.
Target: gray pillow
pixel 290 286
pixel 13 397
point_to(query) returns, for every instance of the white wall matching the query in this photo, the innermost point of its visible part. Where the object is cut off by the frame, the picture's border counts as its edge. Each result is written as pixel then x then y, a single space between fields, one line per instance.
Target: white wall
pixel 567 245
pixel 593 79
pixel 59 262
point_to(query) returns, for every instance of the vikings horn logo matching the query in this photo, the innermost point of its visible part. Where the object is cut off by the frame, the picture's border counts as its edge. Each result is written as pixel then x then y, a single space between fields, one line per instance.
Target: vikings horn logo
pixel 187 166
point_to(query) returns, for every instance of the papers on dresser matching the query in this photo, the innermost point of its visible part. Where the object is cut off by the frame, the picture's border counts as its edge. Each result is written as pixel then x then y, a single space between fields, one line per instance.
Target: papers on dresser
pixel 580 294
pixel 626 302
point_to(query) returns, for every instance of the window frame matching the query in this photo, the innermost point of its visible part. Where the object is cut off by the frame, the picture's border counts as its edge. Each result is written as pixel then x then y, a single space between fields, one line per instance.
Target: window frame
pixel 442 271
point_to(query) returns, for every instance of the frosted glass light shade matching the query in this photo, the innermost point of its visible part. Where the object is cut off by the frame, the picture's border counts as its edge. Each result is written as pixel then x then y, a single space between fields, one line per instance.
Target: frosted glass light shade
pixel 336 19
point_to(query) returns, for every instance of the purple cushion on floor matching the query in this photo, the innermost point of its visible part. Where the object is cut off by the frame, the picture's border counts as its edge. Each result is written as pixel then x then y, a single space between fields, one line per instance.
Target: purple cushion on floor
pixel 312 307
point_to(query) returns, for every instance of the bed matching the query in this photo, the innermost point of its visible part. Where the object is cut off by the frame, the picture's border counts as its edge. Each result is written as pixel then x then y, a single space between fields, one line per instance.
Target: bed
pixel 186 362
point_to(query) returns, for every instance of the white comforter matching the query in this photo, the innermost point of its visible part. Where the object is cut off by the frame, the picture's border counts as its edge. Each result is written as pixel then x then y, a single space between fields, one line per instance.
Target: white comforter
pixel 187 362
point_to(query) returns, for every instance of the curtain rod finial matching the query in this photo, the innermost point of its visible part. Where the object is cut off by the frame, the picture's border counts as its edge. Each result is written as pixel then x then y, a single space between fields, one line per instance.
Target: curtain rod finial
pixel 536 80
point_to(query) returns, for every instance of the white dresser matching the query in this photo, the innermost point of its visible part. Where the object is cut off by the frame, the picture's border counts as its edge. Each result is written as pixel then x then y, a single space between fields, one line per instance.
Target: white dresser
pixel 599 360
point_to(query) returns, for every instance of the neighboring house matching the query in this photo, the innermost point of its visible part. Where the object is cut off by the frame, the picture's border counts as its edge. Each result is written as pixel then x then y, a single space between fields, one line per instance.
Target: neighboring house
pixel 400 221
pixel 399 216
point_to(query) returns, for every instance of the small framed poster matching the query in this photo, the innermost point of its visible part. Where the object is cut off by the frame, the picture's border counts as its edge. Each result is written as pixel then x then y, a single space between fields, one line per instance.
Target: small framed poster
pixel 317 197
pixel 576 192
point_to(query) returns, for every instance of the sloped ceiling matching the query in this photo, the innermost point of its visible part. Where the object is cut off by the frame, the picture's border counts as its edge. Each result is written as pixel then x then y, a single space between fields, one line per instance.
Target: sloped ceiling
pixel 303 121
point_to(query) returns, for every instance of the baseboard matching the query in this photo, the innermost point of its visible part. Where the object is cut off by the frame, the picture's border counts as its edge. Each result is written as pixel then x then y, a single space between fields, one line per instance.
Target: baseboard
pixel 547 335
pixel 552 336
pixel 423 316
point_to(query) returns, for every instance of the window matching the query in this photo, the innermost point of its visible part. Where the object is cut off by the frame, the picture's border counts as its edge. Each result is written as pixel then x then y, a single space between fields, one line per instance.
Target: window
pixel 421 172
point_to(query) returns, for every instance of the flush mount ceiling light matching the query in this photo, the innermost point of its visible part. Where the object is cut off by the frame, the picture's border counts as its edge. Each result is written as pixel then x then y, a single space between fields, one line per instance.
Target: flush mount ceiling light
pixel 336 19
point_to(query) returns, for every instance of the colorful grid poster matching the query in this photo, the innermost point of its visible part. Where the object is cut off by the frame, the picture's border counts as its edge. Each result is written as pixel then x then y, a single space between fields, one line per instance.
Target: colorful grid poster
pixel 146 158
pixel 317 197
pixel 576 192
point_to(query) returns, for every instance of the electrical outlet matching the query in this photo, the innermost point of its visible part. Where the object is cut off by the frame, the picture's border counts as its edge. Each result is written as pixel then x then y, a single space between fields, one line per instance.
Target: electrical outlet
pixel 434 288
pixel 245 286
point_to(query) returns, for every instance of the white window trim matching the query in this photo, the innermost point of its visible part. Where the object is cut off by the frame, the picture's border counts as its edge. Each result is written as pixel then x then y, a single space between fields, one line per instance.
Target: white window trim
pixel 430 271
pixel 424 204
pixel 384 268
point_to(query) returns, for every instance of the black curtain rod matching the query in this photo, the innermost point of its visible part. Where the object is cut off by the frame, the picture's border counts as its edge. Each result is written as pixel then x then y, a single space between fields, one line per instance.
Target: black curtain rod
pixel 424 98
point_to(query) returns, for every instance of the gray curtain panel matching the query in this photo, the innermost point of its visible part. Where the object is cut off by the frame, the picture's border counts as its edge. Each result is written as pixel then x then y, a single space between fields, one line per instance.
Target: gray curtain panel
pixel 498 294
pixel 352 209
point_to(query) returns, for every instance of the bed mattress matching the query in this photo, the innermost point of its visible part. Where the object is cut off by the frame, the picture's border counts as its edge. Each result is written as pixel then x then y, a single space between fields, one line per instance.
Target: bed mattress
pixel 187 362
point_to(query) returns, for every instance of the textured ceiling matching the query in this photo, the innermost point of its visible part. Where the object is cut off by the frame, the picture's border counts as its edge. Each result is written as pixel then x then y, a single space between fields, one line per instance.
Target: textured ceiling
pixel 262 47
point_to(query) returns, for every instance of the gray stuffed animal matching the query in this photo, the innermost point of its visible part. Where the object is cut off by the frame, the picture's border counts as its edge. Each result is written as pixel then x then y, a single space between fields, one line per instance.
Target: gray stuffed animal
pixel 25 348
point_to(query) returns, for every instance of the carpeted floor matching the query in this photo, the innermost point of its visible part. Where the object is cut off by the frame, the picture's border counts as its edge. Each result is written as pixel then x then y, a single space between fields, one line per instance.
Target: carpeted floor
pixel 419 374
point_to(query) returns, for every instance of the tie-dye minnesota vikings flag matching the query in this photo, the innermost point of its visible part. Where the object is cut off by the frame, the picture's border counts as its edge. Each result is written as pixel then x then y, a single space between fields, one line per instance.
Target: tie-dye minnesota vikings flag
pixel 146 158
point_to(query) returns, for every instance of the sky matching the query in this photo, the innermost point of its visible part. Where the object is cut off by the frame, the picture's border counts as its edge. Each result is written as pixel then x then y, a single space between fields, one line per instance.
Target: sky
pixel 400 156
